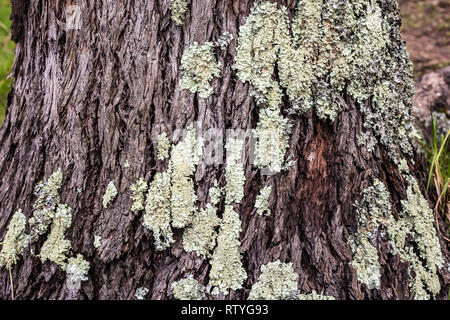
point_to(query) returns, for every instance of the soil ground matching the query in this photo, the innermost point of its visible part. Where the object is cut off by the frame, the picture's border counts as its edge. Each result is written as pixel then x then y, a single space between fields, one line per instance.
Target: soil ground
pixel 426 30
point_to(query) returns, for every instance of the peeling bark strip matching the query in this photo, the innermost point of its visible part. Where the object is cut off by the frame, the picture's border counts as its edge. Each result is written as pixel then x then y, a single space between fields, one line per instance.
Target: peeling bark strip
pixel 97 82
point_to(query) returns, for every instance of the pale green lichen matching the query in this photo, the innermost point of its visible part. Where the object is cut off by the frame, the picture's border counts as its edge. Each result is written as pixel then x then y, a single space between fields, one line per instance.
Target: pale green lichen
pixel 403 166
pixel 416 221
pixel 301 62
pixel 183 160
pixel 157 210
pixel 390 120
pixel 366 140
pixel 15 241
pixel 201 236
pixel 331 47
pixel 261 41
pixel 140 293
pixel 110 194
pixel 227 271
pixel 381 69
pixel 163 146
pixel 262 201
pixel 365 262
pixel 56 247
pixel 257 53
pixel 296 295
pixel 215 193
pixel 188 289
pixel 415 224
pixel 373 210
pixel 138 194
pixel 276 282
pixel 234 171
pixel 48 198
pixel 224 40
pixel 199 66
pixel 272 140
pixel 97 241
pixel 265 41
pixel 178 10
pixel 77 270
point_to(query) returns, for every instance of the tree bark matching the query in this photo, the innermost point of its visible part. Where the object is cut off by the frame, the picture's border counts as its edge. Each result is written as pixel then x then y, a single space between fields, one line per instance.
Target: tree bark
pixel 90 100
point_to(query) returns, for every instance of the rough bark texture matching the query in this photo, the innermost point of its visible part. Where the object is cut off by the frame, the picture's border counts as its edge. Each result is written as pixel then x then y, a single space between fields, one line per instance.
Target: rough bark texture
pixel 89 100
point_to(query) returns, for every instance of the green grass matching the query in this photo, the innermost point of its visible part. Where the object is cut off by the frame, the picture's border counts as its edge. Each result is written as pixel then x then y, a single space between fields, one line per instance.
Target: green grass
pixel 438 157
pixel 6 54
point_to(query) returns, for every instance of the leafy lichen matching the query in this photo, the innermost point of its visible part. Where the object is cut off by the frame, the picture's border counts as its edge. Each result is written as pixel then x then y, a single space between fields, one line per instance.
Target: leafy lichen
pixel 77 270
pixel 260 40
pixel 178 9
pixel 138 194
pixel 97 241
pixel 188 289
pixel 215 193
pixel 183 160
pixel 201 236
pixel 276 282
pixel 56 247
pixel 227 271
pixel 224 40
pixel 329 47
pixel 415 224
pixel 163 146
pixel 48 198
pixel 157 210
pixel 416 221
pixel 262 201
pixel 110 194
pixel 234 172
pixel 272 140
pixel 199 66
pixel 366 140
pixel 296 295
pixel 15 241
pixel 140 293
pixel 373 210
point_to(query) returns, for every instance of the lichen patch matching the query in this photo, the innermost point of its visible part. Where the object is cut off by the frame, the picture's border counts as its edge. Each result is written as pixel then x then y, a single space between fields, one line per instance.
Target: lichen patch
pixel 56 247
pixel 178 10
pixel 138 190
pixel 201 236
pixel 234 171
pixel 77 270
pixel 48 198
pixel 157 216
pixel 15 241
pixel 163 146
pixel 198 67
pixel 227 271
pixel 182 165
pixel 373 210
pixel 416 221
pixel 276 282
pixel 110 194
pixel 188 289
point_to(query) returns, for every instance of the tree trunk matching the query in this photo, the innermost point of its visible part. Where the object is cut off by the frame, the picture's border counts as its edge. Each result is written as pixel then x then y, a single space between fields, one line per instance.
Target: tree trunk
pixel 92 98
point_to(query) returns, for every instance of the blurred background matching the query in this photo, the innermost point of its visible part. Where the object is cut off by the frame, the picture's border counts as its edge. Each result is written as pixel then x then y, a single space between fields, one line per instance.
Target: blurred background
pixel 6 54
